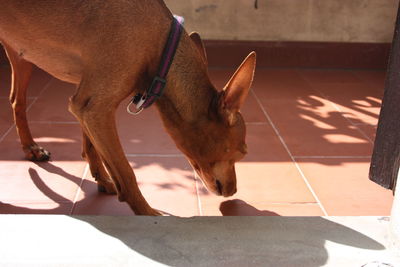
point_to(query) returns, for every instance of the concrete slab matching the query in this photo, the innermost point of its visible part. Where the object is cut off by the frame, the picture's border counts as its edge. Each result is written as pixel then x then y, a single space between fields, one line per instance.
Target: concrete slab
pixel 51 240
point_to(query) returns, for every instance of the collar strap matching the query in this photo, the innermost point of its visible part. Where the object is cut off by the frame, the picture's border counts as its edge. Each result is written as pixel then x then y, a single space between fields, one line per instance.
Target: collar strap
pixel 157 86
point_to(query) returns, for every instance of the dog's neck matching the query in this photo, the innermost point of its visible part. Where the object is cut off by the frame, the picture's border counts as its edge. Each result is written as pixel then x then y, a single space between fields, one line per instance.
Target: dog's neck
pixel 189 92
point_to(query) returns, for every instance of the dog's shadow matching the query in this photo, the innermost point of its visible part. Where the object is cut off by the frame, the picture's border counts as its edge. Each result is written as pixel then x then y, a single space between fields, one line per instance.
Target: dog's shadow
pixel 58 199
pixel 239 207
pixel 87 201
pixel 59 204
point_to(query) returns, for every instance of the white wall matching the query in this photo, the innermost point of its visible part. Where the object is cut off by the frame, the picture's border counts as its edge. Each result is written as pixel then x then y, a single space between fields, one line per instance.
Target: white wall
pixel 290 20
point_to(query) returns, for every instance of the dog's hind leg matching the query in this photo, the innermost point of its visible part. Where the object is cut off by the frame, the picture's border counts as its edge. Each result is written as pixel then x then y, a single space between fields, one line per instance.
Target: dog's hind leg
pixel 21 74
pixel 104 183
pixel 94 105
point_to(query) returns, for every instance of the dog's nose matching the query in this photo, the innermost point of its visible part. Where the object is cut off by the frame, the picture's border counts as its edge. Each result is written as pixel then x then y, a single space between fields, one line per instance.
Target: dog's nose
pixel 226 190
pixel 219 187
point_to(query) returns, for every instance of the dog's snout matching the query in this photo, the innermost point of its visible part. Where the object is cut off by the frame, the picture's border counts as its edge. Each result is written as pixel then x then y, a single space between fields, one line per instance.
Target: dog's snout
pixel 219 187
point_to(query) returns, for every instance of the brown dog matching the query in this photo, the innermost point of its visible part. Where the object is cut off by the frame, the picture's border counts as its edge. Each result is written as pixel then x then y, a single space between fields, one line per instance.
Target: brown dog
pixel 111 49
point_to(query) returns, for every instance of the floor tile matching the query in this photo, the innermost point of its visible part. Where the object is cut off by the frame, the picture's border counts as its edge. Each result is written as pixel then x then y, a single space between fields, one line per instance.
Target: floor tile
pixel 261 185
pixel 28 182
pixel 313 127
pixel 273 85
pixel 359 111
pixel 352 91
pixel 167 183
pixel 326 118
pixel 356 94
pixel 263 145
pixel 53 104
pixel 329 76
pixel 64 141
pixel 238 207
pixel 376 77
pixel 250 110
pixel 37 84
pixel 145 133
pixel 265 77
pixel 358 102
pixel 308 123
pixel 35 208
pixel 5 80
pixel 92 202
pixel 6 117
pixel 343 187
pixel 220 77
pixel 369 130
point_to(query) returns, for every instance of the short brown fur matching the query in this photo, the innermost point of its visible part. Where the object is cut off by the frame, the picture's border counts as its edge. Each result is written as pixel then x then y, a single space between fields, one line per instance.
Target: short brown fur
pixel 111 49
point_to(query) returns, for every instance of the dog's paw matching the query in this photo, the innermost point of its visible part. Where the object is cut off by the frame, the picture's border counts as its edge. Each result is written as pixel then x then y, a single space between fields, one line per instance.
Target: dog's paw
pixel 104 184
pixel 106 189
pixel 36 153
pixel 154 212
pixel 149 212
pixel 164 213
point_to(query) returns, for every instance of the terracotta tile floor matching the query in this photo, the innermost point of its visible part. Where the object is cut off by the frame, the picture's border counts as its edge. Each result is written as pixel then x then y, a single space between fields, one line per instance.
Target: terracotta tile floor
pixel 310 135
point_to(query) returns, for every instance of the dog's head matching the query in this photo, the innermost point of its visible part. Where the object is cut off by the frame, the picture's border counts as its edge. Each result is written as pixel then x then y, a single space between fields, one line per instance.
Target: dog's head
pixel 214 143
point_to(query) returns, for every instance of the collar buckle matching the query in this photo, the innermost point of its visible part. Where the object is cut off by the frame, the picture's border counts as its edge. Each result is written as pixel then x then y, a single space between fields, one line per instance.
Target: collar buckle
pixel 157 86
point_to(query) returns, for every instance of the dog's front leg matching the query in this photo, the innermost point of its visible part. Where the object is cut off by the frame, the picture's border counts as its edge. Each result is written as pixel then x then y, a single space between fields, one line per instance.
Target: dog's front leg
pixel 21 74
pixel 94 105
pixel 104 183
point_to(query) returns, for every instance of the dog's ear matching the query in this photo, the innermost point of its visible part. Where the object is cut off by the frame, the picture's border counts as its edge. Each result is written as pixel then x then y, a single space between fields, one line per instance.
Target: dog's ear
pixel 200 46
pixel 237 89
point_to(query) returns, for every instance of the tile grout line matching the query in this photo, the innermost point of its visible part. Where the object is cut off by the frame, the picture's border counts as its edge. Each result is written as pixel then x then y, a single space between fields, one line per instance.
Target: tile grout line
pixel 200 207
pixel 46 86
pixel 35 99
pixel 332 157
pixel 78 192
pixel 337 109
pixel 7 132
pixel 290 154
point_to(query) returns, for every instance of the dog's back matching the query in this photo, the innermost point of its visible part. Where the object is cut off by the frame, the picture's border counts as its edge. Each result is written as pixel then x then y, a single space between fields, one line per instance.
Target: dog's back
pixel 60 36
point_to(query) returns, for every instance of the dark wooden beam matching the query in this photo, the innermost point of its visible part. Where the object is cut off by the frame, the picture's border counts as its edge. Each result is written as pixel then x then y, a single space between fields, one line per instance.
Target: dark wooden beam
pixel 385 160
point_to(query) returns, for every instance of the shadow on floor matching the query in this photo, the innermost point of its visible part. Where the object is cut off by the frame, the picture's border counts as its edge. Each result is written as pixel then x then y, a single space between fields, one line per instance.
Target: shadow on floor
pixel 231 241
pixel 237 207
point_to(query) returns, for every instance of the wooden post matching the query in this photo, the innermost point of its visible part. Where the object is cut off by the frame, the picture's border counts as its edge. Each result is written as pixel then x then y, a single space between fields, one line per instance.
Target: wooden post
pixel 385 160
